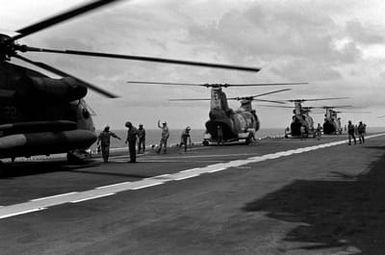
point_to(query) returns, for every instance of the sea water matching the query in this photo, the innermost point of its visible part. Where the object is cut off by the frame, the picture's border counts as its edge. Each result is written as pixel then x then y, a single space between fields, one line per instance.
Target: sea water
pixel 153 136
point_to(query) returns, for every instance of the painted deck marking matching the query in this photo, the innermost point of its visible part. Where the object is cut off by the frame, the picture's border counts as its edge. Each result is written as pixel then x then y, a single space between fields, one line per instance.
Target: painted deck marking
pixel 109 190
pixel 20 212
pixel 92 197
pixel 53 197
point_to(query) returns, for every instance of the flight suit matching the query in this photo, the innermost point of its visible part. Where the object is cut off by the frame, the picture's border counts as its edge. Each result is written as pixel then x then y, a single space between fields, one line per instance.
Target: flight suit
pixel 104 140
pixel 142 139
pixel 132 134
pixel 185 137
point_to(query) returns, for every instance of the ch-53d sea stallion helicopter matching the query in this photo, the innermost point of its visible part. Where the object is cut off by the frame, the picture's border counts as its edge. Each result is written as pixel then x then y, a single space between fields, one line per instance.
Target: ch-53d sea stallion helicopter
pixel 40 115
pixel 225 124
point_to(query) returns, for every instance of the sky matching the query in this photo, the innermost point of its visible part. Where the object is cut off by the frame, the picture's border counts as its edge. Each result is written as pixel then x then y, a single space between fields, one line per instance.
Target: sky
pixel 338 47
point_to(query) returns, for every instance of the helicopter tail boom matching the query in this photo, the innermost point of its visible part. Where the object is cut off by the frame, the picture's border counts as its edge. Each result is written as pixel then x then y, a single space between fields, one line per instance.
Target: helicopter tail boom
pixel 44 143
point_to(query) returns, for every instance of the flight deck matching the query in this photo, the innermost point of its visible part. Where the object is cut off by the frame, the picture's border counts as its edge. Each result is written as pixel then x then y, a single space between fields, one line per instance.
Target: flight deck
pixel 288 196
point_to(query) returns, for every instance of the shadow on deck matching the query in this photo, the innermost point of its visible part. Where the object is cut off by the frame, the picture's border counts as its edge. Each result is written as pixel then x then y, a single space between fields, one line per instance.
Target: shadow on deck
pixel 348 210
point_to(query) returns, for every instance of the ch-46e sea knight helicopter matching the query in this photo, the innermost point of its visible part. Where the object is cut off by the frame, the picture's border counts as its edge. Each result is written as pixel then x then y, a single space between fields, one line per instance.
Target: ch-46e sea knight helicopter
pixel 332 123
pixel 225 124
pixel 40 115
pixel 301 117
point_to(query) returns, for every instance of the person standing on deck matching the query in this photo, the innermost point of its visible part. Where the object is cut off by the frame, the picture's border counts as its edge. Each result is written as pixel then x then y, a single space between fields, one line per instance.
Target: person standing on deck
pixel 104 142
pixel 361 132
pixel 132 134
pixel 141 139
pixel 185 137
pixel 351 132
pixel 164 137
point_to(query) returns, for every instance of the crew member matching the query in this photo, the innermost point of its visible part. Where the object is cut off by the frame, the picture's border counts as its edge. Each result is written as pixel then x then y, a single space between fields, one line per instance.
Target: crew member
pixel 287 132
pixel 141 139
pixel 303 132
pixel 164 137
pixel 184 138
pixel 219 134
pixel 351 132
pixel 132 134
pixel 104 142
pixel 318 131
pixel 361 132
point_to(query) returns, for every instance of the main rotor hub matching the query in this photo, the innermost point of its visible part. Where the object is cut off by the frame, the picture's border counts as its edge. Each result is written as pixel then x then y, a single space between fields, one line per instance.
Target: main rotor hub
pixel 7 47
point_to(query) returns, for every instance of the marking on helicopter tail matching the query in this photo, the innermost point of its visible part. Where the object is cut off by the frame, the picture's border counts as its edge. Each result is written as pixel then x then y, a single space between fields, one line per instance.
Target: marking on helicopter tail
pixel 109 190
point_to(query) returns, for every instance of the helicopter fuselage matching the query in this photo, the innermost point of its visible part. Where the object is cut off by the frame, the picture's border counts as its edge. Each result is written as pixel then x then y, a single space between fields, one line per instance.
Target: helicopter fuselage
pixel 231 125
pixel 301 119
pixel 40 115
pixel 332 124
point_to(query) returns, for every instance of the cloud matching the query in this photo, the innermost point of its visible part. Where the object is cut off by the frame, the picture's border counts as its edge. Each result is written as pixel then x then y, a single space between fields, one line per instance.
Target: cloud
pixel 364 34
pixel 296 39
pixel 337 46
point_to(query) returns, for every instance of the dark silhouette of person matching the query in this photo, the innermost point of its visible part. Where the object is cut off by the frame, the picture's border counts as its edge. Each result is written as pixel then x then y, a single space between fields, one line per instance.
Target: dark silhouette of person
pixel 361 132
pixel 164 138
pixel 141 139
pixel 132 134
pixel 185 137
pixel 219 135
pixel 351 130
pixel 104 142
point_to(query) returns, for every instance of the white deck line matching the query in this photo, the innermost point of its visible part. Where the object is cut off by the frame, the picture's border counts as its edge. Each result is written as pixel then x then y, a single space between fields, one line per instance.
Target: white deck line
pixel 109 190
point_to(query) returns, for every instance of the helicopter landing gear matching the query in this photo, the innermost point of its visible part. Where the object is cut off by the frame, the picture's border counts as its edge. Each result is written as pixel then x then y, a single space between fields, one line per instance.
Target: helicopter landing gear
pixel 3 171
pixel 205 143
pixel 250 139
pixel 77 156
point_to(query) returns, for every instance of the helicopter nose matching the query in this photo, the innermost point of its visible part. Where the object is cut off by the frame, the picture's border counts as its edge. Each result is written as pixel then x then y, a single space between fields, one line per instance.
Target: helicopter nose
pixel 65 89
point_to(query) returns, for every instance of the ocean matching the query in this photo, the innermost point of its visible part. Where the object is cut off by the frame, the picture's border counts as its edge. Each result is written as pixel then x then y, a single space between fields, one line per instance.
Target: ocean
pixel 153 135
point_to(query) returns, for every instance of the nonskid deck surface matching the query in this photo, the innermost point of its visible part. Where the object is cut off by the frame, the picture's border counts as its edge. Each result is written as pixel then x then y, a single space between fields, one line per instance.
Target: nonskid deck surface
pixel 256 199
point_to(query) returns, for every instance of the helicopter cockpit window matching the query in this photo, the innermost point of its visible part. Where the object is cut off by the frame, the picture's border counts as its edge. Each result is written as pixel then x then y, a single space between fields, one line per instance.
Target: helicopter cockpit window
pixel 86 113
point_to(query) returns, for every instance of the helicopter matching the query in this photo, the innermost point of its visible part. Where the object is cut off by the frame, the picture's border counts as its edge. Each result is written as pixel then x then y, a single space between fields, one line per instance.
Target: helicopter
pixel 332 123
pixel 40 115
pixel 225 124
pixel 301 117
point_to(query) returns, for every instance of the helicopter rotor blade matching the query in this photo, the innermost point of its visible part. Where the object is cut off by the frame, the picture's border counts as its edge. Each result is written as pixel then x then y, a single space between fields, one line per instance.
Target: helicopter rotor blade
pixel 60 18
pixel 351 112
pixel 315 99
pixel 276 106
pixel 267 84
pixel 213 85
pixel 269 101
pixel 164 83
pixel 271 92
pixel 142 58
pixel 335 106
pixel 263 94
pixel 61 73
pixel 190 99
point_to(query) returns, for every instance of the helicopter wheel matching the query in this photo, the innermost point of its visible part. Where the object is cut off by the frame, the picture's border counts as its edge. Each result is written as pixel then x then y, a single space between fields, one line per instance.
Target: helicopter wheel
pixel 249 139
pixel 205 143
pixel 3 171
pixel 77 156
